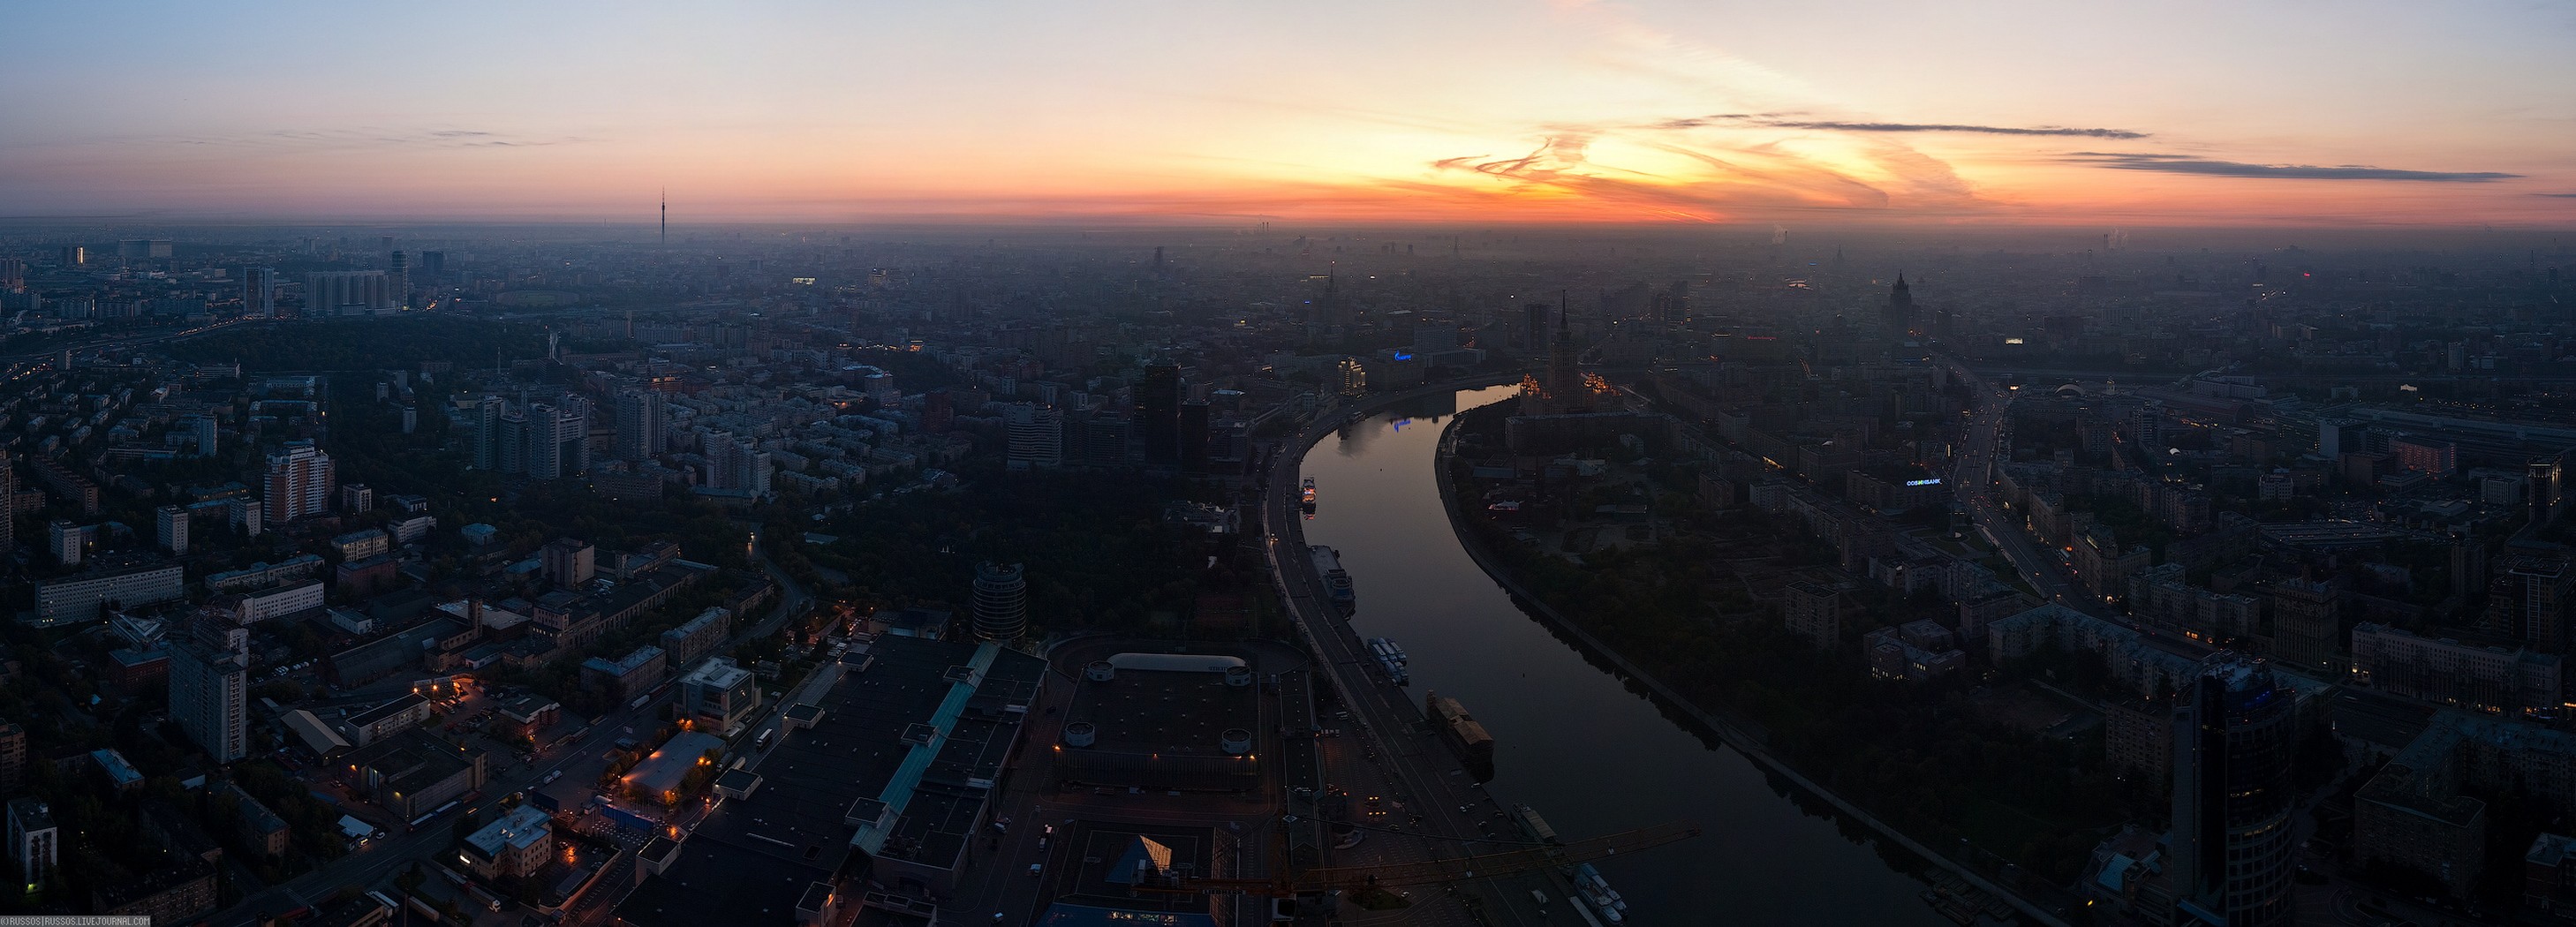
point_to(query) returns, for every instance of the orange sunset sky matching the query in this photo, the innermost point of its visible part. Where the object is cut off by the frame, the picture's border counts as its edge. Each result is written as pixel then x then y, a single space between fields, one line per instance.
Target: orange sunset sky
pixel 2359 113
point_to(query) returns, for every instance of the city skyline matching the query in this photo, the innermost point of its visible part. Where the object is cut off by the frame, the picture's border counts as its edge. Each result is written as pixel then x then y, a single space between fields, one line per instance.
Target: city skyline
pixel 1567 111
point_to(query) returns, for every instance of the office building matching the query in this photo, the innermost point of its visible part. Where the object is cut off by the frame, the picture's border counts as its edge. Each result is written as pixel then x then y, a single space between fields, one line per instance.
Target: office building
pixel 170 525
pixel 300 481
pixel 8 505
pixel 13 757
pixel 209 688
pixel 2234 843
pixel 1001 602
pixel 719 694
pixel 1036 436
pixel 34 842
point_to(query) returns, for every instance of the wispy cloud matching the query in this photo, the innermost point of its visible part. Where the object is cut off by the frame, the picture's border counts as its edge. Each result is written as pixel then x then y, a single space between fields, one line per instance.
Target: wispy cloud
pixel 2188 164
pixel 2563 196
pixel 1717 184
pixel 1785 121
pixel 343 139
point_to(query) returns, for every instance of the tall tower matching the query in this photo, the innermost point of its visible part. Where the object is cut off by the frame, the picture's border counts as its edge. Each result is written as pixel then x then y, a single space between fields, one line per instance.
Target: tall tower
pixel 2233 842
pixel 1564 376
pixel 398 279
pixel 666 217
pixel 1897 317
pixel 1001 602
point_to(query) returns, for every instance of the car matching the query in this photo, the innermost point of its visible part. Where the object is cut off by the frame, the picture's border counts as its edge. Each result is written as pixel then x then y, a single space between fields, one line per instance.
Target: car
pixel 1035 868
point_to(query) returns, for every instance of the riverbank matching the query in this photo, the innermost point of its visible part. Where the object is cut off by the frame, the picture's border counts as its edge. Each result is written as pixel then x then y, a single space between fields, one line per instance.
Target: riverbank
pixel 1733 732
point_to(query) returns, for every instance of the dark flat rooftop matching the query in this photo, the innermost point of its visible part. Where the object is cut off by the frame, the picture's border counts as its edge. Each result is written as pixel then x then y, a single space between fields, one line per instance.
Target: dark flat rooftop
pixel 1165 712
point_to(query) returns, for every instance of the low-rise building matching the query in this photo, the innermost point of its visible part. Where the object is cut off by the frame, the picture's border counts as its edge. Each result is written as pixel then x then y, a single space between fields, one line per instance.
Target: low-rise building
pixel 411 773
pixel 698 637
pixel 516 845
pixel 282 600
pixel 2549 878
pixel 168 895
pixel 719 694
pixel 2417 819
pixel 628 676
pixel 376 723
pixel 78 597
pixel 2449 672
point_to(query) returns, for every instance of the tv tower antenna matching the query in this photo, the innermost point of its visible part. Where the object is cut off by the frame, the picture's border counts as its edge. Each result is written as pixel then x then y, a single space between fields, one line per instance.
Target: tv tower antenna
pixel 666 217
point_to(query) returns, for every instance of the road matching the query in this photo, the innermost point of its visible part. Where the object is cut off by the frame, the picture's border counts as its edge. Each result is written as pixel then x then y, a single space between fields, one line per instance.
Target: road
pixel 1972 482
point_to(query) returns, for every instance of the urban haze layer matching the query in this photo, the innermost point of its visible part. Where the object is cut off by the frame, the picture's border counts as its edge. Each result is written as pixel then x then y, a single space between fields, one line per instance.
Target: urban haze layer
pixel 816 576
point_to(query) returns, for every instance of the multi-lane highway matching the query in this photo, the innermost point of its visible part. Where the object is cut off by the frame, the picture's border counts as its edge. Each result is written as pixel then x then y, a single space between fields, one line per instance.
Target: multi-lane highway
pixel 1972 482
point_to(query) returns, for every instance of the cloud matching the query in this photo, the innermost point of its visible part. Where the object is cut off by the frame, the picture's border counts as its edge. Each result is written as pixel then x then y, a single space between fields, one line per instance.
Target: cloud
pixel 2563 196
pixel 1782 121
pixel 2187 164
pixel 1769 179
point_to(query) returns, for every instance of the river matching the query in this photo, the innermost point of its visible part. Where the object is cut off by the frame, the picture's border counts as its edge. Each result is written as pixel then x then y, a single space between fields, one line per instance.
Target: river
pixel 1572 740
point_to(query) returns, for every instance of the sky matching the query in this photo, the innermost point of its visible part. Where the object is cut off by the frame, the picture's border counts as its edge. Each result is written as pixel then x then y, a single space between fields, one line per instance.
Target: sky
pixel 2344 113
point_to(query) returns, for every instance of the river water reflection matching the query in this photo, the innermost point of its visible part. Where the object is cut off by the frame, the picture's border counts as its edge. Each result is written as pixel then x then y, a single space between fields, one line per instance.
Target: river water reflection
pixel 1571 739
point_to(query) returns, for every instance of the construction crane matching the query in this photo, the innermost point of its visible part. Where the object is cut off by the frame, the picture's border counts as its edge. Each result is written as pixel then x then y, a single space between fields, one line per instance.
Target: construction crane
pixel 1524 859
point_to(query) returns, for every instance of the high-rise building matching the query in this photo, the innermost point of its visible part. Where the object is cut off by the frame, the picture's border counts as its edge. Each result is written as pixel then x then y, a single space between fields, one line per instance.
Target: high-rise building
pixel 69 541
pixel 347 292
pixel 34 843
pixel 259 292
pixel 398 279
pixel 13 758
pixel 1036 435
pixel 640 423
pixel 488 414
pixel 1194 436
pixel 203 428
pixel 171 524
pixel 2529 600
pixel 1158 412
pixel 300 481
pixel 1001 602
pixel 13 273
pixel 433 262
pixel 556 443
pixel 209 687
pixel 8 506
pixel 2234 843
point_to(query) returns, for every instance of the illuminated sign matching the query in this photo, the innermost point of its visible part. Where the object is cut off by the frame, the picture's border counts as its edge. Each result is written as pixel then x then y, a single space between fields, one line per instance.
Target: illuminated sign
pixel 1399 355
pixel 1935 481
